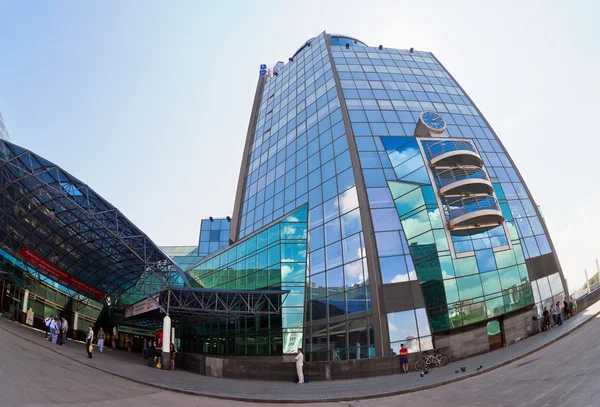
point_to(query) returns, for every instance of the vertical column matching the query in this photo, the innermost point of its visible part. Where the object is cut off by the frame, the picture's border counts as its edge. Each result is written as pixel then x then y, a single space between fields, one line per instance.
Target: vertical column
pixel 382 343
pixel 75 322
pixel 166 345
pixel 25 300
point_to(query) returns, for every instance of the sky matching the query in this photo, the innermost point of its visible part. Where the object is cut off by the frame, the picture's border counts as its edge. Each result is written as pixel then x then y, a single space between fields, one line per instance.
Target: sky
pixel 148 101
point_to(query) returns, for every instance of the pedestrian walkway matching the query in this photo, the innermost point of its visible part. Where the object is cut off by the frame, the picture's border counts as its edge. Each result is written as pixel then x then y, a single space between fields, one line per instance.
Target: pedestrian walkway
pixel 133 367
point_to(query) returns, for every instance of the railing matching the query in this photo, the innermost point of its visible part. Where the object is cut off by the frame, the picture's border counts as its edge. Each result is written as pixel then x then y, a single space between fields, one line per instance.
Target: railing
pixel 461 206
pixel 452 175
pixel 446 146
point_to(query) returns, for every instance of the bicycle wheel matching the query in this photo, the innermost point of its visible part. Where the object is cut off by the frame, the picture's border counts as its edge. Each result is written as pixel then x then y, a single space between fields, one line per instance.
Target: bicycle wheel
pixel 420 364
pixel 443 360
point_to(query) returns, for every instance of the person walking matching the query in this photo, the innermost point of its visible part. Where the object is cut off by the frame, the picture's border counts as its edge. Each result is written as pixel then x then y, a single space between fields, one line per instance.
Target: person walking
pixel 573 306
pixel 48 322
pixel 130 345
pixel 55 330
pixel 558 314
pixel 114 341
pixel 145 349
pixel 299 364
pixel 101 337
pixel 64 327
pixel 547 324
pixel 553 312
pixel 88 341
pixel 404 358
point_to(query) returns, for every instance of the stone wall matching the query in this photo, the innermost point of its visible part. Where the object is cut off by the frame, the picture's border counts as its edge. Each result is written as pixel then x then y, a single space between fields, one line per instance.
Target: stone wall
pixel 520 326
pixel 464 344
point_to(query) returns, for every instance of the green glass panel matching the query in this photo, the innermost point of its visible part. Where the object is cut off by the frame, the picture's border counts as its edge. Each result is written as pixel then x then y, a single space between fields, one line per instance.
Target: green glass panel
pixel 399 189
pixel 435 218
pixel 240 283
pixel 274 255
pixel 451 290
pixel 416 224
pixel 518 249
pixel 506 211
pixel 491 282
pixel 499 191
pixel 505 258
pixel 455 317
pixel 293 231
pixel 523 273
pixel 509 277
pixel 441 240
pixel 275 276
pixel 250 265
pixel 261 239
pixel 447 266
pixel 473 312
pixel 512 230
pixel 495 307
pixel 232 254
pixel 251 244
pixel 465 266
pixel 439 322
pixel 251 281
pixel 274 234
pixel 434 293
pixel 263 260
pixel 429 270
pixel 423 243
pixel 242 249
pixel 301 215
pixel 293 252
pixel 527 294
pixel 429 195
pixel 409 202
pixel 469 287
pixel 262 278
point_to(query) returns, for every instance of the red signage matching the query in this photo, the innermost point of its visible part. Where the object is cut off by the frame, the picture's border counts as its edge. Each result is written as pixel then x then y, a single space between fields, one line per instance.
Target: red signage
pixel 59 274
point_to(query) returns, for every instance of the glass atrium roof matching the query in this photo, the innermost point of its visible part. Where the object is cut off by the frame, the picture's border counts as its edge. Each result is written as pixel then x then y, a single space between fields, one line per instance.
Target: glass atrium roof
pixel 65 230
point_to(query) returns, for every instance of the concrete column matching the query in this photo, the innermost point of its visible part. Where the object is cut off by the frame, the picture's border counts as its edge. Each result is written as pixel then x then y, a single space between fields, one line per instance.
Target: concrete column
pixel 172 335
pixel 25 300
pixel 166 346
pixel 75 321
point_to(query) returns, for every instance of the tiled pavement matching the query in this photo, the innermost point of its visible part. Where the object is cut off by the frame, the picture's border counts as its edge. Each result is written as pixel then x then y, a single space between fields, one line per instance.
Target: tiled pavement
pixel 133 367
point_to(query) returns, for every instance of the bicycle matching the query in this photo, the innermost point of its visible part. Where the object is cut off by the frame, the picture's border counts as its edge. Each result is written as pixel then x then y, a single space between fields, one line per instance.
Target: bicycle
pixel 431 359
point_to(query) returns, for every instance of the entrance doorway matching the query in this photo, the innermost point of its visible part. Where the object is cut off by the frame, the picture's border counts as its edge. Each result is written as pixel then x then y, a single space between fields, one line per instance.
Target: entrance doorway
pixel 494 330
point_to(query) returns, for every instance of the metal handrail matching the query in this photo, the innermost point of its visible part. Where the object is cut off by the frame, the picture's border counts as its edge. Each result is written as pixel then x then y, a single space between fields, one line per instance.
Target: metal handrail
pixel 461 206
pixel 452 175
pixel 446 146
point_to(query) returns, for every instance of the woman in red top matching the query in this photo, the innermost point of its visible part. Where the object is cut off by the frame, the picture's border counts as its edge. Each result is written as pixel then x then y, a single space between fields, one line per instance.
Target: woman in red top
pixel 404 358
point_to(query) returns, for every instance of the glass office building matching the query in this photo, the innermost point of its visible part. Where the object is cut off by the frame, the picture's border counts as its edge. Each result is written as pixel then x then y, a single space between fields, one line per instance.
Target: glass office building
pixel 419 224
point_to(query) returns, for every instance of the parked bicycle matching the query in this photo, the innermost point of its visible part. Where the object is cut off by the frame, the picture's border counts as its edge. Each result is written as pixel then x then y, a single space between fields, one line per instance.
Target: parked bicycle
pixel 431 359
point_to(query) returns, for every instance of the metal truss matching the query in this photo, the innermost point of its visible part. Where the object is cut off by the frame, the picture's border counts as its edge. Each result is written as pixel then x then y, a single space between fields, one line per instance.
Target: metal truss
pixel 61 219
pixel 205 303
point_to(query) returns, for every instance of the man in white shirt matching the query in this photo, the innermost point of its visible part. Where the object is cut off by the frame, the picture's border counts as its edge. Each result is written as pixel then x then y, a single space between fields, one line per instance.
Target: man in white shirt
pixel 64 327
pixel 88 341
pixel 48 322
pixel 299 364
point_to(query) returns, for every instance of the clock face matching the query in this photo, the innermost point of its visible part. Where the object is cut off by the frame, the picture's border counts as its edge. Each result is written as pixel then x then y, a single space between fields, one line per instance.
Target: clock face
pixel 433 120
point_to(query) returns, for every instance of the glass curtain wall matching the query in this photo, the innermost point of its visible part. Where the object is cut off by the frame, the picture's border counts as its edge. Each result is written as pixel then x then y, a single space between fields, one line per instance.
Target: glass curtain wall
pixel 274 258
pixel 300 155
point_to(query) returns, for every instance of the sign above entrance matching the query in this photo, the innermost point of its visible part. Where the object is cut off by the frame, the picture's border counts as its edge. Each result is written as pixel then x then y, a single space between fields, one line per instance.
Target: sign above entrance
pixel 57 273
pixel 140 307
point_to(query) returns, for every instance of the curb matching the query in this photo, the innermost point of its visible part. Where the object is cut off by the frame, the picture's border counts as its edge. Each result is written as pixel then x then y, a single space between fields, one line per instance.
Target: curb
pixel 329 400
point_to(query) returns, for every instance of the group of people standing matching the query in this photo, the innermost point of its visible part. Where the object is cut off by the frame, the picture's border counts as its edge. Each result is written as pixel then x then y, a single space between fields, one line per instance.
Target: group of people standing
pixel 102 337
pixel 568 306
pixel 57 330
pixel 153 349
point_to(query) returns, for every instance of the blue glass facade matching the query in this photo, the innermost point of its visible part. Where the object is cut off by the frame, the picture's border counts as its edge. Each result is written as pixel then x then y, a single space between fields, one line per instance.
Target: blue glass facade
pixel 336 129
pixel 214 234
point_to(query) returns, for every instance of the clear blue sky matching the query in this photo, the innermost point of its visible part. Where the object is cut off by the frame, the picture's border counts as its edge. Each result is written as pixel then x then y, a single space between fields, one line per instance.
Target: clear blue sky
pixel 148 101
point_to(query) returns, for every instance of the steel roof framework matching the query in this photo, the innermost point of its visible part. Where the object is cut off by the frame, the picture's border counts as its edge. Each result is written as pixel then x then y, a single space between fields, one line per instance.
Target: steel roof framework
pixel 47 210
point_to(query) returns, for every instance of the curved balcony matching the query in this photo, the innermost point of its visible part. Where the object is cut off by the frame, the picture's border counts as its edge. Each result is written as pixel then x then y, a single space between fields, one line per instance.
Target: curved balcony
pixel 463 181
pixel 450 153
pixel 478 211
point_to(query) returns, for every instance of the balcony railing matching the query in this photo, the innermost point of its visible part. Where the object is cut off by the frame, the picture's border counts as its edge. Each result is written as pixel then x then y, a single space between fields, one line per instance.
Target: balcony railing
pixel 446 146
pixel 451 175
pixel 454 208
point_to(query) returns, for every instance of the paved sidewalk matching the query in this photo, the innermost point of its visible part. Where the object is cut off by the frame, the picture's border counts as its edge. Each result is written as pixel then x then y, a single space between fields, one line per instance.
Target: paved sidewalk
pixel 133 367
